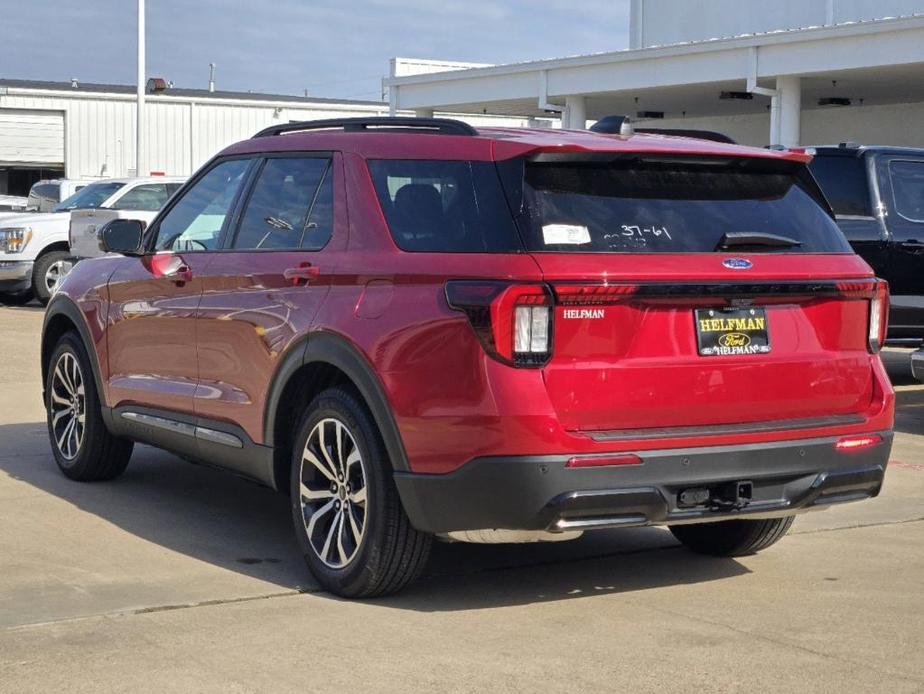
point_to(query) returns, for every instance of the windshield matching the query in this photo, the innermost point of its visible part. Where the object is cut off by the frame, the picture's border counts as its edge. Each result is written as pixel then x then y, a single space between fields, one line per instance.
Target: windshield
pixel 90 197
pixel 673 206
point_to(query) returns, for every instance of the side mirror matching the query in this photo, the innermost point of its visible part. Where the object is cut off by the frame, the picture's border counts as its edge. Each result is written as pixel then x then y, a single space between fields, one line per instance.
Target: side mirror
pixel 122 236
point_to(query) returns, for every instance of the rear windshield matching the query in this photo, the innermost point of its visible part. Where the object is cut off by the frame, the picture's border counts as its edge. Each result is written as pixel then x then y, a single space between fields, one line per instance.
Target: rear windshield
pixel 445 206
pixel 844 182
pixel 641 206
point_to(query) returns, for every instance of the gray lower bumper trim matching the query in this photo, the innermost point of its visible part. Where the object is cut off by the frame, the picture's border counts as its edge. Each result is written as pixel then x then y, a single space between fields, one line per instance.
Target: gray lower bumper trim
pixel 541 493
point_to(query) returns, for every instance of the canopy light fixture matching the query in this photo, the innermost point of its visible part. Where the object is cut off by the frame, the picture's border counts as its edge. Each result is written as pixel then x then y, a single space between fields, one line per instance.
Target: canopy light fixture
pixel 743 96
pixel 834 101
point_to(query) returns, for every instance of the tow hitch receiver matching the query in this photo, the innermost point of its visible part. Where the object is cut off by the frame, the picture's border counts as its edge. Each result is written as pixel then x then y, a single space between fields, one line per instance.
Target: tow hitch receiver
pixel 727 496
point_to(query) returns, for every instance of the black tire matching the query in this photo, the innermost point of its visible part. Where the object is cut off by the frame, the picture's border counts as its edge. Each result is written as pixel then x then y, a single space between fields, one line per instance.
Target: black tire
pixel 734 538
pixel 39 271
pixel 97 455
pixel 389 553
pixel 18 299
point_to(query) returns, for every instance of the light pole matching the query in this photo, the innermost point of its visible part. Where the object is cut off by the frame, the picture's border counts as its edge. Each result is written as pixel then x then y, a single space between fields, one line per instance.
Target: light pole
pixel 140 158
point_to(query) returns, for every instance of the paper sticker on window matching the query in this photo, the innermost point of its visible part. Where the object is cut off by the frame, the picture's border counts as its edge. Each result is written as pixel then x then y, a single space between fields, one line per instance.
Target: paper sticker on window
pixel 560 234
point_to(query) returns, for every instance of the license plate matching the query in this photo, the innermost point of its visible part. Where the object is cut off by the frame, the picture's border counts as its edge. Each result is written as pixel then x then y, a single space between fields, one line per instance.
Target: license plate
pixel 722 332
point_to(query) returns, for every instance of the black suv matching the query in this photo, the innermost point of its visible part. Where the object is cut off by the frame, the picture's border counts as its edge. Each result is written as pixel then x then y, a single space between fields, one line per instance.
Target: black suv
pixel 877 194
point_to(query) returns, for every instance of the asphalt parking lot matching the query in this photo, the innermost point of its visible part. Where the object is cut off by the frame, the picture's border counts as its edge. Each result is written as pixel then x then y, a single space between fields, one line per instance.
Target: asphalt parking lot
pixel 180 578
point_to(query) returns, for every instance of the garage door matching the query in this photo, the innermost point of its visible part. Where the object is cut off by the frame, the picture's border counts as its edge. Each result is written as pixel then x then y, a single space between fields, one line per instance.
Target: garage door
pixel 31 137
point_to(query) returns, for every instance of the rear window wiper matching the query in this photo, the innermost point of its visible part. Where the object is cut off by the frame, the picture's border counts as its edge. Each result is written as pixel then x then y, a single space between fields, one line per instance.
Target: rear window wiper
pixel 738 239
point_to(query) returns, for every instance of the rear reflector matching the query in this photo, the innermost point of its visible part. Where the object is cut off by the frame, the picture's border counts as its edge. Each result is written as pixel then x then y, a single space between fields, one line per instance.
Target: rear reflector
pixel 604 460
pixel 852 443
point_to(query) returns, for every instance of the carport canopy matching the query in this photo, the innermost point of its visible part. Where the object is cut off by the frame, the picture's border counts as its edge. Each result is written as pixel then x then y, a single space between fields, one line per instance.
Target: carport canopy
pixel 783 72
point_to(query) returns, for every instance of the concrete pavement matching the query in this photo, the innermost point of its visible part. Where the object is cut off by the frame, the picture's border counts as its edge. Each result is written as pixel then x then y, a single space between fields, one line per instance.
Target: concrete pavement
pixel 180 578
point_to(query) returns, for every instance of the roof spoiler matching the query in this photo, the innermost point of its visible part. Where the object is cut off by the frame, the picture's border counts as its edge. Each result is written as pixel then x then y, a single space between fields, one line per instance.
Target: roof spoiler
pixel 616 125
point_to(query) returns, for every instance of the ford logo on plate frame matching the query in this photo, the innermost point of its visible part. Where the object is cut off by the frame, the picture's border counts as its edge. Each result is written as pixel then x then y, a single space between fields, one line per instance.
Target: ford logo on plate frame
pixel 737 263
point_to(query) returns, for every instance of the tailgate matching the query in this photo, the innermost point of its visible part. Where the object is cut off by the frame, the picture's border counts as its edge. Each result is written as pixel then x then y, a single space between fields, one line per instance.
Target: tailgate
pixel 680 341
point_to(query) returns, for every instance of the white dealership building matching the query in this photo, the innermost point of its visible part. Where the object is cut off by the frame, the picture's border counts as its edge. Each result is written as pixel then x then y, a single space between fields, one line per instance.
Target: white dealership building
pixel 786 72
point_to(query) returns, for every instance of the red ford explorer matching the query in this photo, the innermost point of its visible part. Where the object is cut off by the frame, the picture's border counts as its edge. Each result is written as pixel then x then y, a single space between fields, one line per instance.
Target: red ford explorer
pixel 421 330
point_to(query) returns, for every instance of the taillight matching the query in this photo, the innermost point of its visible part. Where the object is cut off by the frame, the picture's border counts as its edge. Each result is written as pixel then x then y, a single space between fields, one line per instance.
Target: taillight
pixel 512 321
pixel 878 316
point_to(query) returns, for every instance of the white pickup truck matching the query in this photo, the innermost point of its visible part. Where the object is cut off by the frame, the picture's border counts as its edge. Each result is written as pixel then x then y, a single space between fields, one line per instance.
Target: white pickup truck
pixel 35 249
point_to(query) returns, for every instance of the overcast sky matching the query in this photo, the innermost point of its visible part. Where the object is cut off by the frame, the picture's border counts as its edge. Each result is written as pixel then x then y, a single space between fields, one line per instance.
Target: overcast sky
pixel 330 47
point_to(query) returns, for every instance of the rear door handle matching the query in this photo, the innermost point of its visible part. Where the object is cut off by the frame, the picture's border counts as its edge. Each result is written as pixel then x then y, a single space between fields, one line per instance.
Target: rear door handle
pixel 912 245
pixel 302 274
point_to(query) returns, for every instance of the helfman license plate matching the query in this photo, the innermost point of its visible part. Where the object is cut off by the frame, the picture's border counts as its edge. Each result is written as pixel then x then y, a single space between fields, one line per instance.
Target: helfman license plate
pixel 721 332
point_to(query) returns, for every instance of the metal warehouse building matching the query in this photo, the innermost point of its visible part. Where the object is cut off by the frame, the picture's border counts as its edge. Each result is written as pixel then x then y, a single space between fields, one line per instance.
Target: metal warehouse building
pixel 87 130
pixel 76 129
pixel 786 72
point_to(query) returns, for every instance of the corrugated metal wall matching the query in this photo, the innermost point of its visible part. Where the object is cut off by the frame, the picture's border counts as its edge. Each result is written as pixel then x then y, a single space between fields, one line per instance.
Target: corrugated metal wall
pixel 99 131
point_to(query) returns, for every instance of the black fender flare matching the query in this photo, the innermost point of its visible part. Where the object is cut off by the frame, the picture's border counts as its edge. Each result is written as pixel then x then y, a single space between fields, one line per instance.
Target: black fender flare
pixel 63 305
pixel 330 348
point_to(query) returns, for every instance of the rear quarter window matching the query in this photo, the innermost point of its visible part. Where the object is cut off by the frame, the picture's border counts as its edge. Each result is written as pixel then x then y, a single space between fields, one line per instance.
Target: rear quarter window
pixel 907 179
pixel 445 206
pixel 844 182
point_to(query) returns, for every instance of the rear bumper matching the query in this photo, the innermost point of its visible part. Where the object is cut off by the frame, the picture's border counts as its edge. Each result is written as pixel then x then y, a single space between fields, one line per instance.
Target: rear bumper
pixel 540 493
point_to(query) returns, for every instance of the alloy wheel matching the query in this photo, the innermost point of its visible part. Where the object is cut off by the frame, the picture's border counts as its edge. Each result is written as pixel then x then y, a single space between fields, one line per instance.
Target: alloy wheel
pixel 333 493
pixel 67 402
pixel 53 275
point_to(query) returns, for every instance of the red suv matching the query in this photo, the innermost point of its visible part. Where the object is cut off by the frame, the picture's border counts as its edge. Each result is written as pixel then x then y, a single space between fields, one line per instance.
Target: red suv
pixel 424 330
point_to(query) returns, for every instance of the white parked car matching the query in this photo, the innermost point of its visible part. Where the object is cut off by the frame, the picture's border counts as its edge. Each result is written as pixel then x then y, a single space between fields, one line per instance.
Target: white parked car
pixel 35 250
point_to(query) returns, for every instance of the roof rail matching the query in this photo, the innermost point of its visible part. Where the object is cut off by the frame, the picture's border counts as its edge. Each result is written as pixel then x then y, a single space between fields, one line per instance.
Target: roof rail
pixel 441 126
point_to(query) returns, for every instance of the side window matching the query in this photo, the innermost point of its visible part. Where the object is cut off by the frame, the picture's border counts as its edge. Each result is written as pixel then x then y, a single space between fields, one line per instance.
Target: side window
pixel 291 206
pixel 907 178
pixel 172 188
pixel 844 182
pixel 447 206
pixel 195 222
pixel 145 197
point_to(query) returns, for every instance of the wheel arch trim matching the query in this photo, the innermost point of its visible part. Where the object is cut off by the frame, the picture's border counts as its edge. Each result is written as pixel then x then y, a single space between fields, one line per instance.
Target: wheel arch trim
pixel 62 305
pixel 330 348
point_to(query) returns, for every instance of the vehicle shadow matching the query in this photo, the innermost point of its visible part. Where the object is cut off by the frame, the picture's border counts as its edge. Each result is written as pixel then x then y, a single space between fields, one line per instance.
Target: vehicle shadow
pixel 462 577
pixel 234 524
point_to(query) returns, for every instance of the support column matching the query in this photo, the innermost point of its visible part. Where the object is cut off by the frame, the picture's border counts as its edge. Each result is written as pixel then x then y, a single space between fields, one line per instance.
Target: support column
pixel 575 112
pixel 789 105
pixel 423 112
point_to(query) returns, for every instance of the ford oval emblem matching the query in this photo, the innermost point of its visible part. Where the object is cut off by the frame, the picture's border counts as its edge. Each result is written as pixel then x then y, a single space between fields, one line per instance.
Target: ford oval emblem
pixel 737 263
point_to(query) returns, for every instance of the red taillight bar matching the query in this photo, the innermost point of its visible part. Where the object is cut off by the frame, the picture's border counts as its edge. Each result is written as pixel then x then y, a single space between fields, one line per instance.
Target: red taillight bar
pixel 589 294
